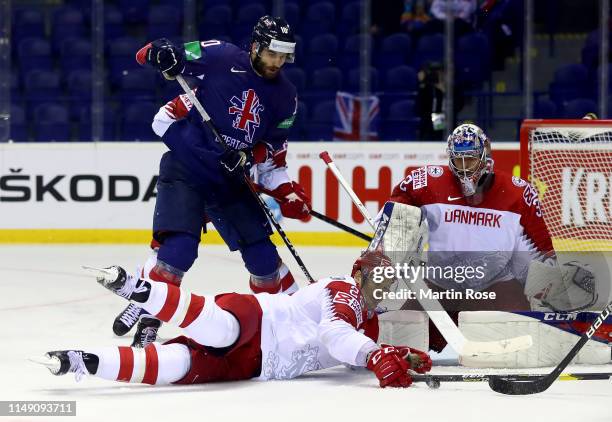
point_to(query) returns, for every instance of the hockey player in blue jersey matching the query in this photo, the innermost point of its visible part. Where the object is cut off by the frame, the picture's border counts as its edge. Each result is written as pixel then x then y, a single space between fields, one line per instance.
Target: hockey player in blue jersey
pixel 252 106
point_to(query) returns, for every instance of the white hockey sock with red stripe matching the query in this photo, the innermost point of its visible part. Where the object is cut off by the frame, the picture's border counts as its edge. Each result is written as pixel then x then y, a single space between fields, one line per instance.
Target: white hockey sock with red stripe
pixel 201 318
pixel 155 364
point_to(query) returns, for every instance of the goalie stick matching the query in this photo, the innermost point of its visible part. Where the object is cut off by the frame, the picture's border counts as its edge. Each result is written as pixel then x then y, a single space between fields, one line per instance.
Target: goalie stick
pixel 507 385
pixel 434 309
pixel 247 180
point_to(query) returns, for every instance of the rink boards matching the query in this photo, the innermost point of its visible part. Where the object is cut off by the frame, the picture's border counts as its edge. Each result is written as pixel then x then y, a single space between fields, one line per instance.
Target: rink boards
pixel 105 192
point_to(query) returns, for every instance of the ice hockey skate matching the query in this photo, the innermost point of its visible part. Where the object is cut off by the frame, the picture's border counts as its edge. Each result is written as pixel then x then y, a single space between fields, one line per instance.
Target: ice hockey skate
pixel 146 332
pixel 61 362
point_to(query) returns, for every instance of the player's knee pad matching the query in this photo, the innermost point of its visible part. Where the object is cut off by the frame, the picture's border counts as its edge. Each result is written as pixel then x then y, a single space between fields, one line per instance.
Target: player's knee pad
pixel 178 250
pixel 553 335
pixel 410 328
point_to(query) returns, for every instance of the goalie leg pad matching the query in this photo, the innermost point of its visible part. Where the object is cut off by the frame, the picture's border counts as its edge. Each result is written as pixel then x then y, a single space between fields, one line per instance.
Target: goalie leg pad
pixel 410 328
pixel 551 343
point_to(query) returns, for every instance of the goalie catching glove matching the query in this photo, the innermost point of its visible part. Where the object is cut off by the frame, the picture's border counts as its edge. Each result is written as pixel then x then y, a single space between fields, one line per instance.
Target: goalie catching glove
pixel 391 365
pixel 294 202
pixel 163 56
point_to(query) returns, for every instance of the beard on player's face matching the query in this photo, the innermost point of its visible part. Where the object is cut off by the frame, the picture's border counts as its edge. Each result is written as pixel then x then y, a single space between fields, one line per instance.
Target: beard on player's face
pixel 267 63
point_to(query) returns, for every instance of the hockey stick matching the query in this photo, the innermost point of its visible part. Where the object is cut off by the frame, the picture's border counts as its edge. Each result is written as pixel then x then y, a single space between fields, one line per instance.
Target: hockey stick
pixel 320 216
pixel 247 180
pixel 505 385
pixel 433 381
pixel 434 309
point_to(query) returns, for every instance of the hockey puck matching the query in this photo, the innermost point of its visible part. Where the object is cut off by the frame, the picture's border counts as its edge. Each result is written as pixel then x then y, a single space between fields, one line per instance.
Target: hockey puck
pixel 433 383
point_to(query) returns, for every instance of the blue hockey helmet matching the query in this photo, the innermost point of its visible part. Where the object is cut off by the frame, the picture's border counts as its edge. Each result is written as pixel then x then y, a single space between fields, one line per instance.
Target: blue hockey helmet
pixel 275 34
pixel 469 156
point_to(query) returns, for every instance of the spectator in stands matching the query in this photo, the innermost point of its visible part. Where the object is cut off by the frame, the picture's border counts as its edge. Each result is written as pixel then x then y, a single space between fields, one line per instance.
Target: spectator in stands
pixel 463 12
pixel 415 15
pixel 386 17
pixel 430 102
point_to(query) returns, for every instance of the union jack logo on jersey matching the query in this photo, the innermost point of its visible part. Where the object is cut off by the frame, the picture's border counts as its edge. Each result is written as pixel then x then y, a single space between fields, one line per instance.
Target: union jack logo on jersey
pixel 247 112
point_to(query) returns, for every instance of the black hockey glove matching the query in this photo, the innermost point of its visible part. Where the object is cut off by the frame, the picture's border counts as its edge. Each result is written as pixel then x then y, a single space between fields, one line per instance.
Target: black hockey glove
pixel 235 163
pixel 166 57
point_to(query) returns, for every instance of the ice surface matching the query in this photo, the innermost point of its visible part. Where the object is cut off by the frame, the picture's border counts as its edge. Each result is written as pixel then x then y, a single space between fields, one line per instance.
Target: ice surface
pixel 48 303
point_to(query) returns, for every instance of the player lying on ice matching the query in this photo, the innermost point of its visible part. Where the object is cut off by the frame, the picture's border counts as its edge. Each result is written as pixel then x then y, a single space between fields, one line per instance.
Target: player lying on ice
pixel 237 336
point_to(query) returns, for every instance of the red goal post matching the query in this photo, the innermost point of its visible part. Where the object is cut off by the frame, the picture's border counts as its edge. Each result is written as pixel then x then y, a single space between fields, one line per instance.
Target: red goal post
pixel 570 164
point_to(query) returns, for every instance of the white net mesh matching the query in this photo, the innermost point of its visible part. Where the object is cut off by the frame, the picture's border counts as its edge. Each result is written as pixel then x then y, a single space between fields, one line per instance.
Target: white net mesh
pixel 571 166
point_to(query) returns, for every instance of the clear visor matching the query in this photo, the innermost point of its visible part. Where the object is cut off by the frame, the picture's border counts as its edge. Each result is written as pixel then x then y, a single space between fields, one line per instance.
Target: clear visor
pixel 283 47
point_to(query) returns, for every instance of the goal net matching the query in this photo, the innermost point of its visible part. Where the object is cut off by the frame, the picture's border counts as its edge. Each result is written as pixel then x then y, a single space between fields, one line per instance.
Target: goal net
pixel 570 164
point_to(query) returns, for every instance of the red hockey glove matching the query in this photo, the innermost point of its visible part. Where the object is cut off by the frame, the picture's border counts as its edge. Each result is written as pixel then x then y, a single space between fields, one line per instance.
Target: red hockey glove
pixel 296 204
pixel 164 56
pixel 417 360
pixel 389 366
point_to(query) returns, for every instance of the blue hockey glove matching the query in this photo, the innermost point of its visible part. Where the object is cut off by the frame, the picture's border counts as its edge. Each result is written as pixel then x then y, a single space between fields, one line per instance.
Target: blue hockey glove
pixel 164 56
pixel 235 163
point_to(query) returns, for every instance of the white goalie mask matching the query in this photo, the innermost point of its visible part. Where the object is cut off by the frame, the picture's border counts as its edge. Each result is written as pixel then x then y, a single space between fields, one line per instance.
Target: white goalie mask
pixel 469 156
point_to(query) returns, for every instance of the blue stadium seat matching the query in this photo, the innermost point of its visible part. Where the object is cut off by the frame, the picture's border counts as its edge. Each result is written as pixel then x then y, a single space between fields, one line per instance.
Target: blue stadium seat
pixel 134 11
pixel 51 123
pixel 324 83
pixel 34 53
pixel 67 23
pixel 401 78
pixel 136 122
pixel 297 77
pixel 42 86
pixel 216 22
pixel 430 48
pixel 19 129
pixel 394 51
pixel 322 52
pixel 246 18
pixel 292 16
pixel 401 122
pixel 75 55
pixel 543 108
pixel 79 84
pixel 164 22
pixel 113 22
pixel 319 19
pixel 349 57
pixel 401 83
pixel 121 58
pixel 28 23
pixel 354 79
pixel 320 125
pixel 328 79
pixel 578 108
pixel 109 124
pixel 570 82
pixel 298 131
pixel 349 19
pixel 473 60
pixel 137 86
